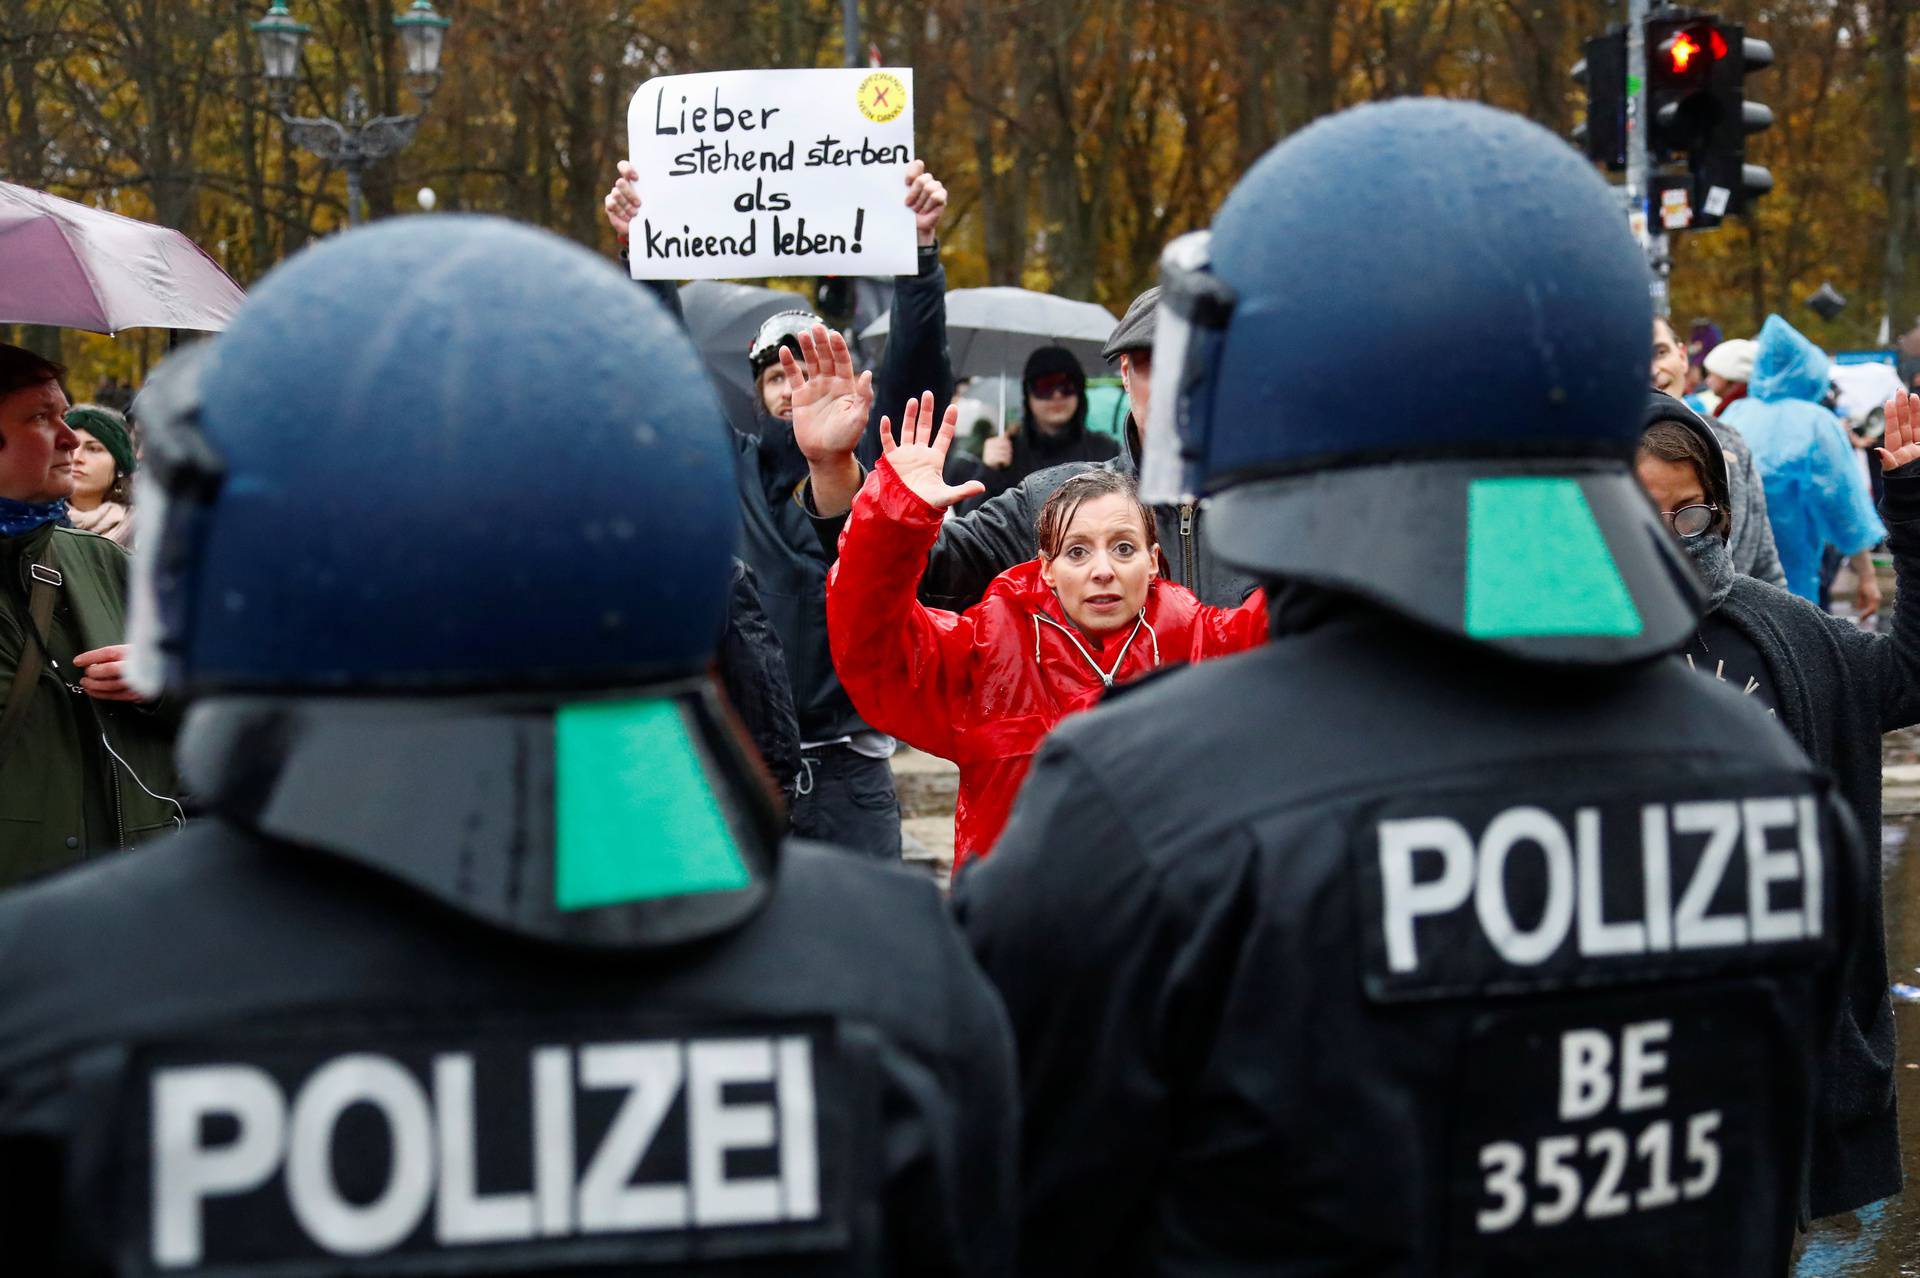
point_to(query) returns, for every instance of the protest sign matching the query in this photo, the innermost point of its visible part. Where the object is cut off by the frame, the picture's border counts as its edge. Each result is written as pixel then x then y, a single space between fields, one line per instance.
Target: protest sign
pixel 747 173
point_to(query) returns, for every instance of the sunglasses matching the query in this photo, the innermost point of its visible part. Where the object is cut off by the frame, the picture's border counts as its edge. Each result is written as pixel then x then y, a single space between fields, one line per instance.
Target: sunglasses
pixel 1052 386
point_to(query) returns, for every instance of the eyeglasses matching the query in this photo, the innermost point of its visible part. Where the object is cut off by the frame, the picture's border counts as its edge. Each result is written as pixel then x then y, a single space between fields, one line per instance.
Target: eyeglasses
pixel 1691 521
pixel 1053 386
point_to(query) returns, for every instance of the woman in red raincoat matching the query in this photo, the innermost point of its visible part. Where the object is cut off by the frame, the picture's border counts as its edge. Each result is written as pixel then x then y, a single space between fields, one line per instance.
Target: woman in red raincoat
pixel 983 687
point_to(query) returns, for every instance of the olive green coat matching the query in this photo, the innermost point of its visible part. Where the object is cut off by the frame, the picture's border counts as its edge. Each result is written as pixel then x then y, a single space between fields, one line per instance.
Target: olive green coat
pixel 62 796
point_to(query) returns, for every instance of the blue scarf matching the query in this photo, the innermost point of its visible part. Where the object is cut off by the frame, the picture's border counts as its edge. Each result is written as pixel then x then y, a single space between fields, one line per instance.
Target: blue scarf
pixel 17 517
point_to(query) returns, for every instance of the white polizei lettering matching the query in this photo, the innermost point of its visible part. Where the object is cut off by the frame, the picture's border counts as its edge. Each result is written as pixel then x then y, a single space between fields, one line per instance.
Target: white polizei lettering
pixel 553 1140
pixel 799 1130
pixel 330 1219
pixel 462 1214
pixel 1597 936
pixel 1586 1073
pixel 1510 828
pixel 1765 867
pixel 1403 900
pixel 185 1171
pixel 1640 1060
pixel 1656 867
pixel 715 1127
pixel 1693 927
pixel 651 1074
pixel 1812 866
pixel 432 1134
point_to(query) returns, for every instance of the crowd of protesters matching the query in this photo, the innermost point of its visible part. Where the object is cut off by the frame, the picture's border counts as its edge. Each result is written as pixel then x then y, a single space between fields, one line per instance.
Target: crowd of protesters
pixel 887 590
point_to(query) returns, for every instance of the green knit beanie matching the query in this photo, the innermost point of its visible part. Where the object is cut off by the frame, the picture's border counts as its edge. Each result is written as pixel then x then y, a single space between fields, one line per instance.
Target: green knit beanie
pixel 107 426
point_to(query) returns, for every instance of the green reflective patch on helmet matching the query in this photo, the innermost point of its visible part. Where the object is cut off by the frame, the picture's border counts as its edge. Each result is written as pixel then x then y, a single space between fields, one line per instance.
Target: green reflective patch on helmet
pixel 1537 563
pixel 636 818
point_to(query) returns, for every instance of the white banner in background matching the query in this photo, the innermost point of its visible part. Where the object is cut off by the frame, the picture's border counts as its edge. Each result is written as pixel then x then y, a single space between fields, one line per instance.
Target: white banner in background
pixel 750 173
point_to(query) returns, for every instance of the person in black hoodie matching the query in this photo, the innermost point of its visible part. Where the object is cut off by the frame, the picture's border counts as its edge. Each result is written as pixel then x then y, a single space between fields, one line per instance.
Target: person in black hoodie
pixel 1835 688
pixel 1053 424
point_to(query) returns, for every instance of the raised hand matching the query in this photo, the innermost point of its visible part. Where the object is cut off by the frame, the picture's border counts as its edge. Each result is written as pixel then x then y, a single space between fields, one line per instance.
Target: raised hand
pixel 623 201
pixel 1902 442
pixel 830 404
pixel 928 200
pixel 920 458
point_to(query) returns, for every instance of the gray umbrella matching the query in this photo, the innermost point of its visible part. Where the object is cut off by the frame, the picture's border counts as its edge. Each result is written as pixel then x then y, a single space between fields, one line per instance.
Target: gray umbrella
pixel 722 319
pixel 993 330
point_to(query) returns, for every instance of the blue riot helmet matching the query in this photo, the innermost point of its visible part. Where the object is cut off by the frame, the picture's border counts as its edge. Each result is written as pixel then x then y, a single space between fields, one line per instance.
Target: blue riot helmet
pixel 443 524
pixel 1408 364
pixel 444 453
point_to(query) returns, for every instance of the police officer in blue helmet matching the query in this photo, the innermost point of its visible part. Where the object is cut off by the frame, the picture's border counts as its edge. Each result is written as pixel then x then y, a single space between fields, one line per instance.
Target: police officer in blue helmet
pixel 1460 930
pixel 489 958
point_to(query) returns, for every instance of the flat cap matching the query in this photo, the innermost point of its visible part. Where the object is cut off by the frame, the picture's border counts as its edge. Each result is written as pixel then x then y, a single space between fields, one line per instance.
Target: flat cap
pixel 1135 330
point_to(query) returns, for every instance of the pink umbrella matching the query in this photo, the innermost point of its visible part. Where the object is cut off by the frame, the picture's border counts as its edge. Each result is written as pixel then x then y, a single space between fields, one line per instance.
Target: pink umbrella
pixel 70 266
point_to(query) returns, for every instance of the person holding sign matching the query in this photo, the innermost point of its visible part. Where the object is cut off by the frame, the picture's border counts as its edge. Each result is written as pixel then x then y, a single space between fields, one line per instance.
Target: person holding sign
pixel 845 793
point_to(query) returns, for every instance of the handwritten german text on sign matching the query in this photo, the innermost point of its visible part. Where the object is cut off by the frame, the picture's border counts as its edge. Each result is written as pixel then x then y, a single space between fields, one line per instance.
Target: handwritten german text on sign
pixel 747 173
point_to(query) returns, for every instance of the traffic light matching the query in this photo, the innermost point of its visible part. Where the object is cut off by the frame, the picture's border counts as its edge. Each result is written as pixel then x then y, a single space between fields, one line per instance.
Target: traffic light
pixel 1697 113
pixel 1602 72
pixel 1726 183
pixel 1697 110
pixel 1681 55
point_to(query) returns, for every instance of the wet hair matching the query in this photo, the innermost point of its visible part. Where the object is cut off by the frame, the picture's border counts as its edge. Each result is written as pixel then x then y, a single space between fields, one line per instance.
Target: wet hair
pixel 1056 516
pixel 20 368
pixel 1672 442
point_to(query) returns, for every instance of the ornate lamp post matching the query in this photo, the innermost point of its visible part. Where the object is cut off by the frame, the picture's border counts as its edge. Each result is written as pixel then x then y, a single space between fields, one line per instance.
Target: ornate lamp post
pixel 357 141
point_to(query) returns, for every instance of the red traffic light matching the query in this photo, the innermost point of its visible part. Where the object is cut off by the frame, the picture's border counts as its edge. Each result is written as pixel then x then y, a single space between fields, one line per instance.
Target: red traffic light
pixel 1685 51
pixel 1681 51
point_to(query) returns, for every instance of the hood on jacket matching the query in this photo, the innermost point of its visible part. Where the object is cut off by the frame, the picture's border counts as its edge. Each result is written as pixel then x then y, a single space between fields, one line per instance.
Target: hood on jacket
pixel 1787 365
pixel 1045 360
pixel 1662 407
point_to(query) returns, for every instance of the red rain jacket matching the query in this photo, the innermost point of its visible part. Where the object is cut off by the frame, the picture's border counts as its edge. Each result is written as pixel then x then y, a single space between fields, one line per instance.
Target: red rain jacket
pixel 983 687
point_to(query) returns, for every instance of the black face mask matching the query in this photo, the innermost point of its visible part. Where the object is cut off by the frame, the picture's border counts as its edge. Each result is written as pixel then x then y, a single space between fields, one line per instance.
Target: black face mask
pixel 1714 564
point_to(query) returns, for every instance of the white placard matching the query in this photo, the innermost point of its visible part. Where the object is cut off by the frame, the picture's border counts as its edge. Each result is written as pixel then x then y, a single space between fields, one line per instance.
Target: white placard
pixel 749 173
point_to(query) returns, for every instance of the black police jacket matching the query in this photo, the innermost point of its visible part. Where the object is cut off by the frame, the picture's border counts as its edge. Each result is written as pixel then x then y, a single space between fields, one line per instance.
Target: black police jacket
pixel 1363 955
pixel 350 1030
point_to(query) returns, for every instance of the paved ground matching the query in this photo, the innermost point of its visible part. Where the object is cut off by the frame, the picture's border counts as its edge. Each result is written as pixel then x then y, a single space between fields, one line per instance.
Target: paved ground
pixel 927 786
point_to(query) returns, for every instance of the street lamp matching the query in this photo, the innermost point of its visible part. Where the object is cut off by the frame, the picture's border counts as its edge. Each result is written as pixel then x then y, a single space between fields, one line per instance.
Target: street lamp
pixel 357 141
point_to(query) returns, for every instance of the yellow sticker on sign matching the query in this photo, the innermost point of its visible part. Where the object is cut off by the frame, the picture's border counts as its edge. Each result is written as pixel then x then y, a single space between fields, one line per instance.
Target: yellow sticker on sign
pixel 882 97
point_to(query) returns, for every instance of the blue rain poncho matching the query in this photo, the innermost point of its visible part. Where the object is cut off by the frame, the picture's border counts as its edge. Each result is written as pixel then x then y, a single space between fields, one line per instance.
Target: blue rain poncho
pixel 1816 493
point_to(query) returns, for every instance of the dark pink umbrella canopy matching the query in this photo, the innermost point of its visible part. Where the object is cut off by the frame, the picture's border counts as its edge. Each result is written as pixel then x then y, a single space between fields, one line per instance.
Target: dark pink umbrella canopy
pixel 70 266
